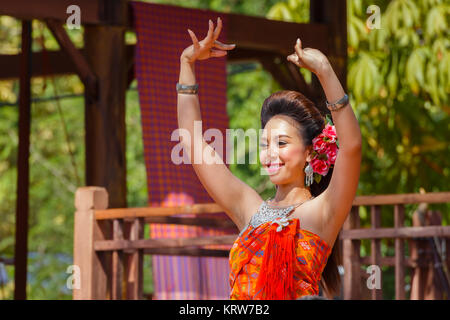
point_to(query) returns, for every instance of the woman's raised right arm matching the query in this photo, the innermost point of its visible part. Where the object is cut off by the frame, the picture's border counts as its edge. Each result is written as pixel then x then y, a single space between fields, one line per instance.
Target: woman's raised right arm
pixel 238 199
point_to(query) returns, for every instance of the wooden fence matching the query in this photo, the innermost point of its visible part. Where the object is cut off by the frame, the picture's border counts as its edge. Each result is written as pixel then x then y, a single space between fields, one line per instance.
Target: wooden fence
pixel 417 236
pixel 109 244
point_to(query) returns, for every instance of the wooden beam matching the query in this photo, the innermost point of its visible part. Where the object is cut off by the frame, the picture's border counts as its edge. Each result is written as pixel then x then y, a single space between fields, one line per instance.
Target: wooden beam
pixel 390 261
pixel 271 35
pixel 58 59
pixel 375 250
pixel 245 55
pixel 399 220
pixel 405 198
pixel 59 63
pixel 109 245
pixel 351 257
pixel 111 12
pixel 119 13
pixel 193 252
pixel 194 221
pixel 198 208
pixel 284 72
pixel 23 180
pixel 402 233
pixel 83 69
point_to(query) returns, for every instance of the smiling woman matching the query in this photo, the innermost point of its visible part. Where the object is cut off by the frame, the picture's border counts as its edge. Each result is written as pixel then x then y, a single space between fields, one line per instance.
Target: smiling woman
pixel 273 257
pixel 291 122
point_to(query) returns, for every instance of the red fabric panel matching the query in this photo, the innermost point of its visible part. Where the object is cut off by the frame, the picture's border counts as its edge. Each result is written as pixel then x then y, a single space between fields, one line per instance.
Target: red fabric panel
pixel 162 35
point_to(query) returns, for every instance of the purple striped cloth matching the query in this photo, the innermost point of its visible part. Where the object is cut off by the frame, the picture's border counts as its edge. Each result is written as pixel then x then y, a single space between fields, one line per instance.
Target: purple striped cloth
pixel 162 35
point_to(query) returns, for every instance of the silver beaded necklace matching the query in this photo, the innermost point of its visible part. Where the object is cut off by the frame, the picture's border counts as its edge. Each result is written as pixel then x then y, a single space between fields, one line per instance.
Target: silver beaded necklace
pixel 267 212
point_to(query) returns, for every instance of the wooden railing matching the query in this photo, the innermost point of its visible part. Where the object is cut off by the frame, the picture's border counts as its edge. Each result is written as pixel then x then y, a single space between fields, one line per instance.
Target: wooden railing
pixel 109 244
pixel 352 234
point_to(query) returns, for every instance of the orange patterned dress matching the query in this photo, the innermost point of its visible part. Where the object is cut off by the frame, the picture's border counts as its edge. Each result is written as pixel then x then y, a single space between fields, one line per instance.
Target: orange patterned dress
pixel 273 258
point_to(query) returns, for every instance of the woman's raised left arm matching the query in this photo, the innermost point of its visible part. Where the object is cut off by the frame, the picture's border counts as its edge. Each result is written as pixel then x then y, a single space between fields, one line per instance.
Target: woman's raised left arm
pixel 340 193
pixel 338 198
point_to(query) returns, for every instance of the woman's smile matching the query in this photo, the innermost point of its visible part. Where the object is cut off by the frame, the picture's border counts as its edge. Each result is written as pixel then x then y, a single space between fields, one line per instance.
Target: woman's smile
pixel 274 168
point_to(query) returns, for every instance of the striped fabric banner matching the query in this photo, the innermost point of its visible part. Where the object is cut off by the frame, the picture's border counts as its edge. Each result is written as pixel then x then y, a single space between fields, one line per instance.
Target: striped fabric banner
pixel 162 36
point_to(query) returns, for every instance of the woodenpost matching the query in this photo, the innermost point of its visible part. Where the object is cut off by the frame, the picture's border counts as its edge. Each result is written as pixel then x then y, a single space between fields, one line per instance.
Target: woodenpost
pixel 424 276
pixel 375 246
pixel 334 14
pixel 117 263
pixel 92 266
pixel 351 258
pixel 23 172
pixel 105 117
pixel 399 218
pixel 418 272
pixel 135 262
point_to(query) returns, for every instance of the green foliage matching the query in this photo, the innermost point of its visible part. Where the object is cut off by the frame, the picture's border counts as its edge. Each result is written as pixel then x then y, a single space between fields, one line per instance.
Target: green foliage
pixel 291 10
pixel 399 83
pixel 411 46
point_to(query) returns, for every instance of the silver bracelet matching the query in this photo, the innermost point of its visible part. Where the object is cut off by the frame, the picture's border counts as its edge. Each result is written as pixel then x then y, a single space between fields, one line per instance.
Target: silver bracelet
pixel 338 104
pixel 189 89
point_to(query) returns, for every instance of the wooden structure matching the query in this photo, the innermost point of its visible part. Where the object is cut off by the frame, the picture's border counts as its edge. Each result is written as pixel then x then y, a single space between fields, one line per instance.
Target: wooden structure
pixel 105 66
pixel 352 235
pixel 111 260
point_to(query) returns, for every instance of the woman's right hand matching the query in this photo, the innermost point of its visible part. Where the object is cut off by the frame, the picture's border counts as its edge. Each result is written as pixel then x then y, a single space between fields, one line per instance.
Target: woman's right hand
pixel 208 47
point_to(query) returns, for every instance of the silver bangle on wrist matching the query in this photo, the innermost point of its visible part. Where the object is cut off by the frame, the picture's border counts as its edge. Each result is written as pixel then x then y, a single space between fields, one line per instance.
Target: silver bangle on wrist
pixel 189 89
pixel 338 104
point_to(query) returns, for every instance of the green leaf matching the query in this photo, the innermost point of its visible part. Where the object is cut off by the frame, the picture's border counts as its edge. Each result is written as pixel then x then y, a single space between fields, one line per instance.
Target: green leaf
pixel 328 119
pixel 317 177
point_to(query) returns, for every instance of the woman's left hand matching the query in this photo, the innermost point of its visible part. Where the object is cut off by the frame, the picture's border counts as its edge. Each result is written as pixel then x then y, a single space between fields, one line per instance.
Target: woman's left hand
pixel 311 59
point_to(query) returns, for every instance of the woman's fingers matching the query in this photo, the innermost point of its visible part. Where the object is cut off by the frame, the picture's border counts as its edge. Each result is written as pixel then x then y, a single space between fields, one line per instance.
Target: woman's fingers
pixel 298 57
pixel 209 36
pixel 291 58
pixel 213 34
pixel 298 48
pixel 295 60
pixel 218 28
pixel 194 39
pixel 223 46
pixel 209 46
pixel 217 53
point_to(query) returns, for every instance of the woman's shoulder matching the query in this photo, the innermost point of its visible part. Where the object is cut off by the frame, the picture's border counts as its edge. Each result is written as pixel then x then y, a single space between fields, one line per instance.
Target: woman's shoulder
pixel 311 219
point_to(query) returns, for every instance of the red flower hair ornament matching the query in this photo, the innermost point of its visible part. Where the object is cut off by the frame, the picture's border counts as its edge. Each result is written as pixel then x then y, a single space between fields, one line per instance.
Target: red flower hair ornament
pixel 325 150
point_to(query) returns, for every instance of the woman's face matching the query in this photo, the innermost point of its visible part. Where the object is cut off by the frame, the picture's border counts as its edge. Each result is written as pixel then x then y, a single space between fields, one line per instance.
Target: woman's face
pixel 282 152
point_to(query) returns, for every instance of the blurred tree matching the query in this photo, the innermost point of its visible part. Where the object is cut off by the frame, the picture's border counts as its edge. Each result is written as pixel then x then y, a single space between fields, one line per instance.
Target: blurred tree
pixel 399 78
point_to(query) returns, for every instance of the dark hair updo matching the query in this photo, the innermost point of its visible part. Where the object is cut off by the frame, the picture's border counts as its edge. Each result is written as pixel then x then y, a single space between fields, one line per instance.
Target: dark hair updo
pixel 310 122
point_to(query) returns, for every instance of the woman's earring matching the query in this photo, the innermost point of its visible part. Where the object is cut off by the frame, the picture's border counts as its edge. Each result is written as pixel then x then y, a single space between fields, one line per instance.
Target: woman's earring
pixel 309 174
